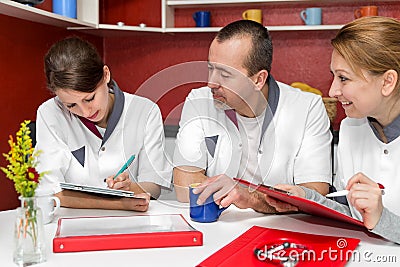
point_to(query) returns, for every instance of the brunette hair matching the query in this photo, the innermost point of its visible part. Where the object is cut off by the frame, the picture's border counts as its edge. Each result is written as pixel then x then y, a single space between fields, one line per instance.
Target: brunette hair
pixel 73 63
pixel 260 55
pixel 371 44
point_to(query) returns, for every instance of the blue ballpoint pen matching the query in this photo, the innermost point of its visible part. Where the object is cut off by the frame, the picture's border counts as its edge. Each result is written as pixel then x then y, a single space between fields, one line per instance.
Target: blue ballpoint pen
pixel 125 166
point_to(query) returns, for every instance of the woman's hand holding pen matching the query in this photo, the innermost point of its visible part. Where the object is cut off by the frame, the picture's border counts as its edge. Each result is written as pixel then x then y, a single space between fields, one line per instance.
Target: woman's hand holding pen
pixel 366 196
pixel 121 182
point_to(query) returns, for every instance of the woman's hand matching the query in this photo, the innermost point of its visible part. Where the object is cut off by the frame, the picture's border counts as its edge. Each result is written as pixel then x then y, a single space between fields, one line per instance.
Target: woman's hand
pixel 283 206
pixel 138 203
pixel 121 182
pixel 366 196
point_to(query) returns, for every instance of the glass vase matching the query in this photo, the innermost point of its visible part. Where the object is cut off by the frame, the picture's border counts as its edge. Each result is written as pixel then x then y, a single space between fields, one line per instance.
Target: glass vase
pixel 29 241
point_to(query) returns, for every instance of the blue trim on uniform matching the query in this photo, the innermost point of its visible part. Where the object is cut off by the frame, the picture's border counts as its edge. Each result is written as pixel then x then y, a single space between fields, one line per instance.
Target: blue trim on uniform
pixel 273 100
pixel 79 154
pixel 119 101
pixel 391 131
pixel 211 143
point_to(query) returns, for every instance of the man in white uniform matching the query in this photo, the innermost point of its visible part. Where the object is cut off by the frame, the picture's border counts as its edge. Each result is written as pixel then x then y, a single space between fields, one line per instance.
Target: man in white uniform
pixel 246 125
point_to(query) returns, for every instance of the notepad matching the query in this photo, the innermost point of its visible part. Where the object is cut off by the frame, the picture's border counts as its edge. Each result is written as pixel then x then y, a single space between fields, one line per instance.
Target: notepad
pixel 97 190
pixel 124 232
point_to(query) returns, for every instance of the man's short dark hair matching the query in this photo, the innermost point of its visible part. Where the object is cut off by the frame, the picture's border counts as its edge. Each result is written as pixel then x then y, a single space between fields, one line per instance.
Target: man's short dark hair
pixel 260 55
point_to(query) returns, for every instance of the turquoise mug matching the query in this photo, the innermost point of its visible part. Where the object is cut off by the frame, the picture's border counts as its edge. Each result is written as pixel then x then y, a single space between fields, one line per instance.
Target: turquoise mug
pixel 312 16
pixel 209 211
pixel 65 8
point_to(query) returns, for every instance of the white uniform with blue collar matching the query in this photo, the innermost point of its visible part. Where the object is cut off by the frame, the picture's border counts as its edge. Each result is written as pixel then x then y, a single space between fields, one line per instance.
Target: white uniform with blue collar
pixel 360 150
pixel 72 153
pixel 294 148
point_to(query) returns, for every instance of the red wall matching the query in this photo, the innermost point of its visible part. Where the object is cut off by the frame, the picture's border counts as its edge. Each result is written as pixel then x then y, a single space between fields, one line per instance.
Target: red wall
pixel 298 56
pixel 131 12
pixel 23 45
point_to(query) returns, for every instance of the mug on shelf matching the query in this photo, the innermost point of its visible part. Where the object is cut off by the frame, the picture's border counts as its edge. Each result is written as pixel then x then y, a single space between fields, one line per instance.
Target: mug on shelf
pixel 209 211
pixel 65 8
pixel 253 14
pixel 312 16
pixel 366 11
pixel 202 18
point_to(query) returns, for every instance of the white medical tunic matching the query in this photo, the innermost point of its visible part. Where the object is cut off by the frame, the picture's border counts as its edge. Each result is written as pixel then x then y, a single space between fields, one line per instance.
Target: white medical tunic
pixel 73 153
pixel 295 142
pixel 359 150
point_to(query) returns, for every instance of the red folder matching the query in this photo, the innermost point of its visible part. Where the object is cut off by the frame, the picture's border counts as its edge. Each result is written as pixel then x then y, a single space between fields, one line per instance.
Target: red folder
pixel 124 232
pixel 312 250
pixel 305 205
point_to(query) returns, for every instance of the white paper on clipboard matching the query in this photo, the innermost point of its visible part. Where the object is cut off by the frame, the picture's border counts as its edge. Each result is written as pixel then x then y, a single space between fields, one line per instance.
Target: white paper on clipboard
pixel 97 190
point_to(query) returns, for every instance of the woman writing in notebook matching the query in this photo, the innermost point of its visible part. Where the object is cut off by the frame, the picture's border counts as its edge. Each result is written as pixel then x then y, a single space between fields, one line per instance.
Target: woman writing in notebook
pixel 91 128
pixel 365 65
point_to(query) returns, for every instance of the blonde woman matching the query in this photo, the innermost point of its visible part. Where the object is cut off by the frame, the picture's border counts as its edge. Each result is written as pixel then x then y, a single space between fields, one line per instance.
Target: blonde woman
pixel 366 65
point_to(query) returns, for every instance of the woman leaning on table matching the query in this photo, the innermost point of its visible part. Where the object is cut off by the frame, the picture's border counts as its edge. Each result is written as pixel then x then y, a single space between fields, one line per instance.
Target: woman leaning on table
pixel 90 128
pixel 365 65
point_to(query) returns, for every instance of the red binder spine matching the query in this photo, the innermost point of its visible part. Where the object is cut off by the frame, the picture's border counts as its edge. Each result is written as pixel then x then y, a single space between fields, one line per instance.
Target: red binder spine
pixel 114 241
pixel 126 241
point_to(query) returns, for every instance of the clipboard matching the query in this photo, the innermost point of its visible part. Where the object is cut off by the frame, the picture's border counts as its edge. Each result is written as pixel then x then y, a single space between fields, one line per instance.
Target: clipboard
pixel 124 232
pixel 241 251
pixel 105 192
pixel 304 205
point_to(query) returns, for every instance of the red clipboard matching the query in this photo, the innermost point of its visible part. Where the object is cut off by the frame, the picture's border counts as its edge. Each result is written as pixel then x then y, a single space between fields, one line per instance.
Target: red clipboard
pixel 319 250
pixel 124 232
pixel 304 205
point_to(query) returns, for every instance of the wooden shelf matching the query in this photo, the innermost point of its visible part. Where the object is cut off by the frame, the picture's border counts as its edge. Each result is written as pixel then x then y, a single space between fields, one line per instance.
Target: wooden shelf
pixel 18 10
pixel 270 28
pixel 88 17
pixel 129 28
pixel 197 3
pixel 304 28
pixel 115 30
pixel 193 29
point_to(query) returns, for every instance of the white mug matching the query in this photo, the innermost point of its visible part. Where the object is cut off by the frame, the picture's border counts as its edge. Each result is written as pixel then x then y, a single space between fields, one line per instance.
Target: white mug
pixel 48 203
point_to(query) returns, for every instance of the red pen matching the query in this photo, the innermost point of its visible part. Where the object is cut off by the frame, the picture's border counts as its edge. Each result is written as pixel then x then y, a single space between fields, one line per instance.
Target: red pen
pixel 381 187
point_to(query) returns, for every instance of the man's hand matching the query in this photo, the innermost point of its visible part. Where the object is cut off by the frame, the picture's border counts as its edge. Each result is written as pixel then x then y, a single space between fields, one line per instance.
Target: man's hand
pixel 222 187
pixel 283 206
pixel 227 191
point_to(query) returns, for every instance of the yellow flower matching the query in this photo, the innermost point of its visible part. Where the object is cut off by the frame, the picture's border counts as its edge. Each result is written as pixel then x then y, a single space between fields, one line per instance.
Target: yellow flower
pixel 22 162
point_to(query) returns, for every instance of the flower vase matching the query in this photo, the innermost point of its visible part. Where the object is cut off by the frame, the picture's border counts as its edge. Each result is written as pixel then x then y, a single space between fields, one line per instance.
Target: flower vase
pixel 29 242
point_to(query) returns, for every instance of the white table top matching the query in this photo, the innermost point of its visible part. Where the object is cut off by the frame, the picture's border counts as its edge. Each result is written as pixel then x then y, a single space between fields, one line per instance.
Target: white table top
pixel 232 223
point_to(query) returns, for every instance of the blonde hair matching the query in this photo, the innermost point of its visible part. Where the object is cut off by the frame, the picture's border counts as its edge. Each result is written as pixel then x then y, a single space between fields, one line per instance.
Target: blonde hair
pixel 371 44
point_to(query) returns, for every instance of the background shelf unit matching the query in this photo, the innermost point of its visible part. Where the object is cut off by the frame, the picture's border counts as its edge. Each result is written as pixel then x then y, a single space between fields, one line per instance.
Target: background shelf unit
pixel 88 11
